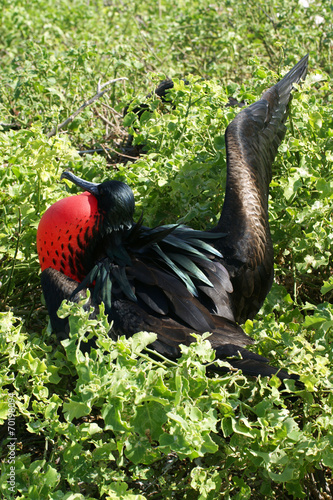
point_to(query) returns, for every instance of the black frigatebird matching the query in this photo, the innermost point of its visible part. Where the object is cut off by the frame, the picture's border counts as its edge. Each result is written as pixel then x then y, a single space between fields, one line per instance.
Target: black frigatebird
pixel 173 280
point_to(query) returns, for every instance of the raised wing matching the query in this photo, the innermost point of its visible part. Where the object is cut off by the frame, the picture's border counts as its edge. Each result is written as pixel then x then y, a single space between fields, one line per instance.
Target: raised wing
pixel 252 141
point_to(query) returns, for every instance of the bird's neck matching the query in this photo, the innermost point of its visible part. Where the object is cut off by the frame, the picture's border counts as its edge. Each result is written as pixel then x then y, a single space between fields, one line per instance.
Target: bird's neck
pixel 105 242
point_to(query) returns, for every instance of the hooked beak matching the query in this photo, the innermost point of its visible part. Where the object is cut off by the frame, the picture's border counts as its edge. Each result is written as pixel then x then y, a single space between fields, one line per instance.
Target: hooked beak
pixel 91 187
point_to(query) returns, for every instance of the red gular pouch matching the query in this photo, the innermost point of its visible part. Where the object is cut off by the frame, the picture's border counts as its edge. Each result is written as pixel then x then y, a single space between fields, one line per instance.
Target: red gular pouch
pixel 64 232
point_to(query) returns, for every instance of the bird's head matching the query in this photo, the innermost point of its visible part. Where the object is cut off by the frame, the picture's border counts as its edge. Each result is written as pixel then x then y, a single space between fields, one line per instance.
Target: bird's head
pixel 115 200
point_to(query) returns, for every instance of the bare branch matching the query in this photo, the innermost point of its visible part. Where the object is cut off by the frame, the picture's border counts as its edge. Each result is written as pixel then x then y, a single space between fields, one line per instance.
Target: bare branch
pixel 122 154
pixel 98 95
pixel 105 120
pixel 106 149
pixel 111 109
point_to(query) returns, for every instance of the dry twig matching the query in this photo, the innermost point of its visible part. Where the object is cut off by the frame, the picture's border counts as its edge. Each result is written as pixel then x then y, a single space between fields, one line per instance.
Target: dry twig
pixel 98 94
pixel 105 120
pixel 114 112
pixel 122 154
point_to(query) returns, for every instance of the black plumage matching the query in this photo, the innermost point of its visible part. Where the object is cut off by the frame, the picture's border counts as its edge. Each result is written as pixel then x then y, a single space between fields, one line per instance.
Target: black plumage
pixel 173 280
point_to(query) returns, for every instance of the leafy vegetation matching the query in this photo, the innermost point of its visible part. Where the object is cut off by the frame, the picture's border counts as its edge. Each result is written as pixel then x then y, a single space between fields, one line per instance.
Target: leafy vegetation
pixel 116 423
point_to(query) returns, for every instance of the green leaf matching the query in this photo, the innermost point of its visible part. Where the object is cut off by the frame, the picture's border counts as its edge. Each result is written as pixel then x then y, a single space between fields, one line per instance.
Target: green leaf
pixel 51 476
pixel 316 120
pixel 149 420
pixel 286 475
pixel 75 409
pixel 327 286
pixel 112 415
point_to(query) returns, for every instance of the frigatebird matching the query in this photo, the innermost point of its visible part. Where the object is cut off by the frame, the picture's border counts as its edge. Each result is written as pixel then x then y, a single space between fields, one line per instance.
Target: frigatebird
pixel 171 279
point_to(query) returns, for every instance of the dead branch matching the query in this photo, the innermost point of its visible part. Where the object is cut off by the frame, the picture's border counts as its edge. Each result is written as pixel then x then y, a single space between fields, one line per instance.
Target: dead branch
pixel 105 120
pixel 122 154
pixel 98 95
pixel 112 110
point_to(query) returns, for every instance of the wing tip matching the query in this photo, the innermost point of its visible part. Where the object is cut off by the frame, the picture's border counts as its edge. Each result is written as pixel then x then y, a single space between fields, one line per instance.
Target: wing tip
pixel 295 75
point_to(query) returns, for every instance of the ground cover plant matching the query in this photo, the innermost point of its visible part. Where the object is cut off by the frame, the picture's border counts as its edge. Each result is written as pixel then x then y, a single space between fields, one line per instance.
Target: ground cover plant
pixel 116 423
